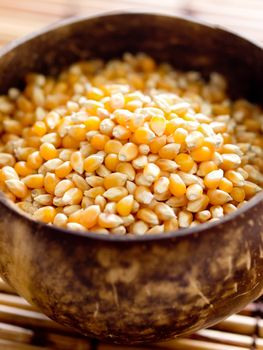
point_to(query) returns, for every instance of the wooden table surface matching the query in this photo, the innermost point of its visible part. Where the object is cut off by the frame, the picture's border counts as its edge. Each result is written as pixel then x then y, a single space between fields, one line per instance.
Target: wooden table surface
pixel 19 17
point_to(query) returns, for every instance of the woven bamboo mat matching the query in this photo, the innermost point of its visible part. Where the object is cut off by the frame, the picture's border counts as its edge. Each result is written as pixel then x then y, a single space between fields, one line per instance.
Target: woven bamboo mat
pixel 22 327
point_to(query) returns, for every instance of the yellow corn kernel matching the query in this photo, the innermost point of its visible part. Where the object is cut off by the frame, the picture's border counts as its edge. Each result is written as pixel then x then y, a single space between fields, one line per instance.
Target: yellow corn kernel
pixel 72 196
pixel 158 125
pixel 113 146
pixel 127 169
pixel 157 143
pixel 92 163
pixel 125 205
pixel 115 180
pixel 111 161
pixel 206 167
pixel 143 135
pixel 218 197
pixel 98 141
pixel 229 208
pixel 235 177
pixel 212 179
pixel 179 135
pixel 34 181
pixel 69 142
pixel 95 191
pixel 77 162
pixel 50 182
pixel 251 189
pixel 202 154
pixel 238 194
pixel 115 194
pixel 63 170
pixel 39 128
pixel 48 151
pixel 92 123
pixel 23 169
pixel 45 214
pixel 177 187
pixel 230 161
pixel 77 132
pixel 121 132
pixel 34 160
pixel 225 185
pixel 185 161
pixel 169 151
pixel 128 152
pixel 16 187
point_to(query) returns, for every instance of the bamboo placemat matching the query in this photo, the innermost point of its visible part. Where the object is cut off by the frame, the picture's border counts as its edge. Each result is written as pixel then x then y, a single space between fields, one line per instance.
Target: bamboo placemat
pixel 22 327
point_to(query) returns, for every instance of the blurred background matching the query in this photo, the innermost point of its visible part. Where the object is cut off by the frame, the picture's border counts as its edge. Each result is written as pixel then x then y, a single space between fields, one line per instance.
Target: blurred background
pixel 19 17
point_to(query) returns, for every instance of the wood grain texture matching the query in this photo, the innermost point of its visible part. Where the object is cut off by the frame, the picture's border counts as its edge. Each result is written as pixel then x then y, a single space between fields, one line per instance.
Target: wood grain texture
pixel 18 18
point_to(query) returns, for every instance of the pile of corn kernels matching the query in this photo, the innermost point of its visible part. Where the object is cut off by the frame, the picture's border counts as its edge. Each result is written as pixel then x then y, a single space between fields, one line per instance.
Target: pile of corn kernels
pixel 128 146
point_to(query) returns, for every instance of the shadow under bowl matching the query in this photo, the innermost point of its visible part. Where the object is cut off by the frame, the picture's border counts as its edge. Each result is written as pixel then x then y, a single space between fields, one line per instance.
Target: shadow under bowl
pixel 128 289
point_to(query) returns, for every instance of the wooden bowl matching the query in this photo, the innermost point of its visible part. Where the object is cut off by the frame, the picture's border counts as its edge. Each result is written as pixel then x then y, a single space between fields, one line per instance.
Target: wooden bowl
pixel 128 289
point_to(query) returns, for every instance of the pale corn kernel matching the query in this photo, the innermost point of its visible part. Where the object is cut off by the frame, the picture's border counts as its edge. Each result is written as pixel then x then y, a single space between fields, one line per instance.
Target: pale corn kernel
pixel 169 151
pixel 17 188
pixel 190 179
pixel 52 164
pixel 72 196
pixel 80 182
pixel 230 161
pixel 185 218
pixel 131 187
pixel 199 204
pixel 251 189
pixel 106 127
pixel 62 187
pixel 75 226
pixel 152 158
pixel 101 202
pixel 34 160
pixel 139 228
pixel 70 209
pixel 217 211
pixel 45 214
pixel 158 125
pixel 65 154
pixel 34 181
pixel 8 173
pixel 161 185
pixel 212 179
pixel 86 202
pixel 143 195
pixel 203 215
pixel 194 192
pixel 167 165
pixel 177 202
pixel 115 180
pixel 229 208
pixel 63 170
pixel 144 149
pixel 162 196
pixel 139 162
pixel 103 171
pixel 44 199
pixel 115 193
pixel 127 169
pixel 6 160
pixel 94 192
pixel 164 212
pixel 156 229
pixel 109 220
pixel 60 220
pixel 235 177
pixel 171 225
pixel 120 230
pixel 194 140
pixel 148 216
pixel 177 186
pixel 151 172
pixel 218 197
pixel 121 132
pixel 77 162
pixel 95 181
pixel 128 152
pixel 110 208
pixel 52 119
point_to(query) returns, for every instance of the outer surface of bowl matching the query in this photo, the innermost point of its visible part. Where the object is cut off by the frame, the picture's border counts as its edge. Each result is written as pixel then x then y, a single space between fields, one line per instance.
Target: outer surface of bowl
pixel 128 289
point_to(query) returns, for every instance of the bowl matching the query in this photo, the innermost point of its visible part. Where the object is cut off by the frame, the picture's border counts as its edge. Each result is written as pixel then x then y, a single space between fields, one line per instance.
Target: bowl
pixel 129 289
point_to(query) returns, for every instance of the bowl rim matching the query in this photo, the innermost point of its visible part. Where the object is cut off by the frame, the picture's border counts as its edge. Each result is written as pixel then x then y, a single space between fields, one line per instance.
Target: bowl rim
pixel 183 232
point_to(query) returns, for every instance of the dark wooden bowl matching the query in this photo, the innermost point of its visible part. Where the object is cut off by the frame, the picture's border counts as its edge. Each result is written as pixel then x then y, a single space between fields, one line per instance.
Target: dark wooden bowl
pixel 136 289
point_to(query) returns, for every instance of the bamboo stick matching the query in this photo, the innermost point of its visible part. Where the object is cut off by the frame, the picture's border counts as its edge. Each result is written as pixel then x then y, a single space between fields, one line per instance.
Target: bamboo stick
pixel 8 345
pixel 18 334
pixel 63 342
pixel 15 301
pixel 238 324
